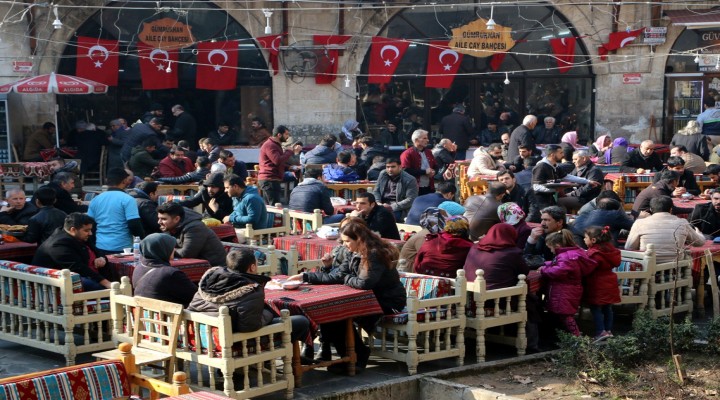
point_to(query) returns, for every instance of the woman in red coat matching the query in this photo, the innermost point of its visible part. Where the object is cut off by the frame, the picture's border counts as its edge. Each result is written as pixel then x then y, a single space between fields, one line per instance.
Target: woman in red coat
pixel 444 253
pixel 601 286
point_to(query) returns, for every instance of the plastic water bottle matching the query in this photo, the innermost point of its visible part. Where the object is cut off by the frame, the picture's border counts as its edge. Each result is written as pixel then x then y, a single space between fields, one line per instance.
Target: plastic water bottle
pixel 136 251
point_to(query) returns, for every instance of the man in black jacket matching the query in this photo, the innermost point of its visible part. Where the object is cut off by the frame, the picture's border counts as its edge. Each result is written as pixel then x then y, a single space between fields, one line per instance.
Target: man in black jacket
pixel 584 168
pixel 666 186
pixel 686 182
pixel 706 217
pixel 312 194
pixel 17 211
pixel 185 126
pixel 63 183
pixel 458 128
pixel 215 201
pixel 68 248
pixel 42 225
pixel 514 193
pixel 643 161
pixel 522 135
pixel 378 218
pixel 145 195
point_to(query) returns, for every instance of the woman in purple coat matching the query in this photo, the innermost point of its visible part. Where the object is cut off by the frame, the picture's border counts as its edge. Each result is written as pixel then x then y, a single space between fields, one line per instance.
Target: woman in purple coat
pixel 564 277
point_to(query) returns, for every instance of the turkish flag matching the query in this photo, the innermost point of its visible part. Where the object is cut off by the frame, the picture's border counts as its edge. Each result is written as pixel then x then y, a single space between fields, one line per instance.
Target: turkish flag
pixel 564 49
pixel 496 60
pixel 217 65
pixel 385 55
pixel 97 60
pixel 271 44
pixel 153 67
pixel 327 64
pixel 618 40
pixel 442 65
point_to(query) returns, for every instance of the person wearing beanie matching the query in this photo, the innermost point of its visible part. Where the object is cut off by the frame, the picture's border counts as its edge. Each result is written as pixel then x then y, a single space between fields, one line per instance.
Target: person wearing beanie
pixel 216 203
pixel 452 208
pixel 155 277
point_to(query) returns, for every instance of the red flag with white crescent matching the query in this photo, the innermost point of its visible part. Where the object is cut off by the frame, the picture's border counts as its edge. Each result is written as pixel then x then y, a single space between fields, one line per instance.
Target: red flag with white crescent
pixel 618 40
pixel 385 55
pixel 97 60
pixel 442 65
pixel 327 64
pixel 272 45
pixel 217 65
pixel 154 67
pixel 564 49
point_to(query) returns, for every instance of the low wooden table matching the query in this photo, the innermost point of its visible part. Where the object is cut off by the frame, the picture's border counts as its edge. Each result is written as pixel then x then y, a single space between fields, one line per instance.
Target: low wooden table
pixel 322 304
pixel 312 247
pixel 18 251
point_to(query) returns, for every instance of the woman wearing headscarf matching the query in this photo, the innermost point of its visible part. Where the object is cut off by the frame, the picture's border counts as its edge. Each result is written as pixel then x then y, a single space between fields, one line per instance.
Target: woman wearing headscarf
pixel 602 144
pixel 499 256
pixel 693 140
pixel 570 138
pixel 442 254
pixel 618 153
pixel 432 220
pixel 513 214
pixel 155 277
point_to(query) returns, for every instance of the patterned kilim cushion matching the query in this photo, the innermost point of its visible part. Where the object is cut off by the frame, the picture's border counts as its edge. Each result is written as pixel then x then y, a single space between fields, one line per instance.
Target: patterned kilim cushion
pixel 19 293
pixel 402 317
pixel 92 307
pixel 217 348
pixel 426 286
pixel 626 283
pixel 94 381
pixel 171 198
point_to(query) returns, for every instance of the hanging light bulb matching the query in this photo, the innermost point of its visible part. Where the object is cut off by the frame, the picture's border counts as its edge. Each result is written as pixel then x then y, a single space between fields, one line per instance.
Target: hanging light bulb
pixel 169 69
pixel 717 63
pixel 347 81
pixel 652 52
pixel 268 13
pixel 507 80
pixel 490 24
pixel 697 58
pixel 57 24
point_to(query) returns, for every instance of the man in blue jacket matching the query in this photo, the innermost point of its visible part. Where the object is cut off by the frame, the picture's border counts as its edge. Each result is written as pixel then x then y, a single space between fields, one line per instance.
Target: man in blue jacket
pixel 248 206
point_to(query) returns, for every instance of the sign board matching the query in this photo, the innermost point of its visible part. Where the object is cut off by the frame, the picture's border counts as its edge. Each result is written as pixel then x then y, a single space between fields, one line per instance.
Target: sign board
pixel 166 34
pixel 632 79
pixel 22 66
pixel 476 40
pixel 654 35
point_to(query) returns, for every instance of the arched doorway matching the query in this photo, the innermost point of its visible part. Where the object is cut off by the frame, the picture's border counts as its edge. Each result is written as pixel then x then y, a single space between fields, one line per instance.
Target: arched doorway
pixel 535 87
pixel 121 21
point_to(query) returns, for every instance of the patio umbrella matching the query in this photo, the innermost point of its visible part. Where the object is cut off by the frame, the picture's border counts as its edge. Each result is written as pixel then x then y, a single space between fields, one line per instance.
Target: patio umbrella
pixel 55 83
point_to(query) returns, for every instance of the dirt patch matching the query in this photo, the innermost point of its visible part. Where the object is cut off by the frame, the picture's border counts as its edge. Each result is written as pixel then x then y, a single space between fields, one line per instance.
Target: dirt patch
pixel 656 380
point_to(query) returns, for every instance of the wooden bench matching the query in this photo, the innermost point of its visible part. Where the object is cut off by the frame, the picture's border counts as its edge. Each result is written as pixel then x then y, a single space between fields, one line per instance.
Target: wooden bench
pixel 45 308
pixel 424 331
pixel 634 274
pixel 496 308
pixel 281 227
pixel 102 380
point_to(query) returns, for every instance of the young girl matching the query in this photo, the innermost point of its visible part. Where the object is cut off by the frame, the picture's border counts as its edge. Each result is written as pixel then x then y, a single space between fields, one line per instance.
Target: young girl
pixel 564 276
pixel 601 286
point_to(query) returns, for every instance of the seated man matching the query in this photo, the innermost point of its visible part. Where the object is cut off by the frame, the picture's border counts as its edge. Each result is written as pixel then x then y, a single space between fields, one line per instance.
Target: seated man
pixel 155 277
pixel 643 160
pixel 68 248
pixel 693 162
pixel 175 164
pixel 486 161
pixel 584 168
pixel 609 213
pixel 141 161
pixel 202 169
pixel 370 150
pixel 706 217
pixel 665 186
pixel 667 232
pixel 234 166
pixel 686 180
pixel 342 171
pixel 216 203
pixel 239 287
pixel 323 153
pixel 377 217
pixel 63 183
pixel 194 239
pixel 18 211
pixel 43 224
pixel 481 211
pixel 312 194
pixel 444 191
pixel 713 173
pixel 396 189
pixel 145 195
pixel 514 193
pixel 552 219
pixel 248 206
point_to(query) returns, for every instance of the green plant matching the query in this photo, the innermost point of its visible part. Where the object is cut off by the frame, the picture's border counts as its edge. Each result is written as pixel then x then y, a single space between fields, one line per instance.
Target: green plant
pixel 653 334
pixel 684 335
pixel 712 334
pixel 603 363
pixel 624 350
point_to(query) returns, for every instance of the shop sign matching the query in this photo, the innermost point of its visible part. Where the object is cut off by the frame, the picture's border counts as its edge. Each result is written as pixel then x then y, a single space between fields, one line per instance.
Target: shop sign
pixel 476 40
pixel 632 79
pixel 166 33
pixel 710 52
pixel 654 35
pixel 22 66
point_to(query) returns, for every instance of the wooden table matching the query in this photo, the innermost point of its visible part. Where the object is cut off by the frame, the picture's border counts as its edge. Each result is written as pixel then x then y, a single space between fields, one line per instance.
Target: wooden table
pixel 18 251
pixel 349 190
pixel 311 247
pixel 192 267
pixel 226 232
pixel 699 262
pixel 323 304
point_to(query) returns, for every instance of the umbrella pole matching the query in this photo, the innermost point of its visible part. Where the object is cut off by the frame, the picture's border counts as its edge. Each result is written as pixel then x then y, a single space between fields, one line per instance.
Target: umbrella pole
pixel 57 127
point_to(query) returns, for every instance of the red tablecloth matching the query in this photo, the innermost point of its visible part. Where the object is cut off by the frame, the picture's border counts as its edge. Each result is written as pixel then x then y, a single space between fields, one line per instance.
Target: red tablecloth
pixel 38 169
pixel 324 303
pixel 698 256
pixel 679 202
pixel 314 247
pixel 226 232
pixel 192 267
pixel 17 251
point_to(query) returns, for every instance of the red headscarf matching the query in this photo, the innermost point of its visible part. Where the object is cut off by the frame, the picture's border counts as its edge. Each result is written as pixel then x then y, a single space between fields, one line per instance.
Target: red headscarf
pixel 499 236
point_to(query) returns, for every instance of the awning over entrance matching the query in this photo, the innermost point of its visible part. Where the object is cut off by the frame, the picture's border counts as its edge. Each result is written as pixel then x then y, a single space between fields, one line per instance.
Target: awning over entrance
pixel 695 19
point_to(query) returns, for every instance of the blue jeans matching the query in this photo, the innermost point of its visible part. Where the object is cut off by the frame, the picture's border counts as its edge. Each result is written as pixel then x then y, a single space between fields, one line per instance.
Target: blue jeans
pixel 300 327
pixel 90 285
pixel 331 219
pixel 603 317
